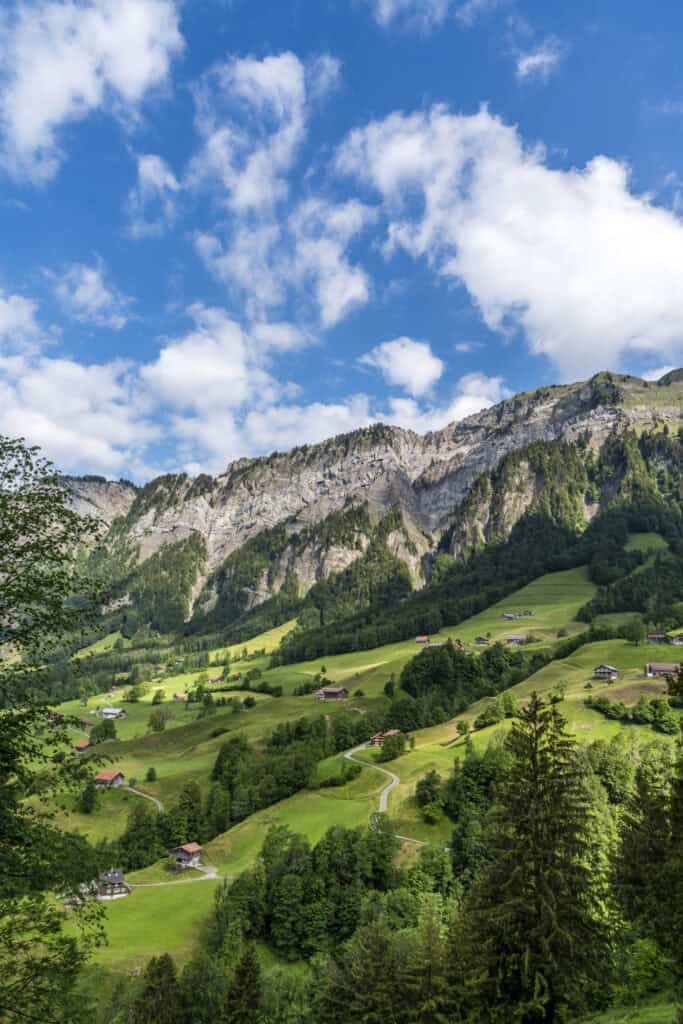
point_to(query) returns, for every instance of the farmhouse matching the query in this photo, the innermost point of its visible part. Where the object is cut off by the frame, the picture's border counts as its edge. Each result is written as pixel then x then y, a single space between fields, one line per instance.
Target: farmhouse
pixel 81 745
pixel 608 672
pixel 433 646
pixel 112 713
pixel 509 615
pixel 658 638
pixel 109 779
pixel 378 739
pixel 216 679
pixel 186 856
pixel 661 669
pixel 111 885
pixel 677 640
pixel 332 693
pixel 421 639
pixel 482 641
pixel 516 639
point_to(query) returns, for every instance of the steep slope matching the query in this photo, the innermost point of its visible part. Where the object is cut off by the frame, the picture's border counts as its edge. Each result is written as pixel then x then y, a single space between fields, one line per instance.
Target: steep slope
pixel 466 484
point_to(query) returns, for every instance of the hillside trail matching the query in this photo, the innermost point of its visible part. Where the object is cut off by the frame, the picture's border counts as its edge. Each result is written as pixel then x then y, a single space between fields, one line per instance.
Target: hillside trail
pixel 146 796
pixel 384 795
pixel 209 874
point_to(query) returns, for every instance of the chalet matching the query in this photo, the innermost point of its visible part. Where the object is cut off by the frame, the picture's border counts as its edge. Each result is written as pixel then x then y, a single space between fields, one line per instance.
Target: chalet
pixel 608 672
pixel 661 669
pixel 482 641
pixel 677 640
pixel 109 779
pixel 433 646
pixel 332 693
pixel 516 639
pixel 112 713
pixel 81 745
pixel 179 696
pixel 658 638
pixel 509 615
pixel 421 639
pixel 378 739
pixel 111 885
pixel 186 856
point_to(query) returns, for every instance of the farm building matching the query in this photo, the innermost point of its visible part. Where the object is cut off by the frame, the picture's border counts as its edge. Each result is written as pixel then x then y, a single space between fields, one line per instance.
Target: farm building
pixel 109 779
pixel 216 679
pixel 658 638
pixel 111 885
pixel 516 639
pixel 608 672
pixel 433 646
pixel 332 693
pixel 186 856
pixel 421 639
pixel 482 641
pixel 509 615
pixel 661 669
pixel 677 640
pixel 81 745
pixel 112 713
pixel 378 739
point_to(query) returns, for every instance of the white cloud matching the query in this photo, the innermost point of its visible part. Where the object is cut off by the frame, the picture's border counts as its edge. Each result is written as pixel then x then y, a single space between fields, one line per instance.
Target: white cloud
pixel 427 15
pixel 658 373
pixel 151 203
pixel 466 347
pixel 473 393
pixel 60 61
pixel 18 325
pixel 586 268
pixel 252 116
pixel 407 364
pixel 84 417
pixel 84 295
pixel 539 64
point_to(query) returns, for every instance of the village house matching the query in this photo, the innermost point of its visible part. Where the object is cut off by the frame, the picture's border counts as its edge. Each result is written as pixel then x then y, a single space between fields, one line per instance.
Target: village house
pixel 111 885
pixel 509 615
pixel 608 672
pixel 516 639
pixel 378 739
pixel 432 646
pixel 332 693
pixel 677 640
pixel 109 779
pixel 112 713
pixel 179 696
pixel 421 639
pixel 186 856
pixel 81 745
pixel 658 638
pixel 661 669
pixel 482 641
pixel 216 679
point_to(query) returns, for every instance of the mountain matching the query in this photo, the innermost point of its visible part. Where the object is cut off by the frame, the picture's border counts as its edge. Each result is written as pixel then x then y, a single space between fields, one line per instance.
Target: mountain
pixel 384 500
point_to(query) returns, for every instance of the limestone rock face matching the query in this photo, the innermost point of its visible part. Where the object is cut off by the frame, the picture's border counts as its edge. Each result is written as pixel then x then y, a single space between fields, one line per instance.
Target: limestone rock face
pixel 428 477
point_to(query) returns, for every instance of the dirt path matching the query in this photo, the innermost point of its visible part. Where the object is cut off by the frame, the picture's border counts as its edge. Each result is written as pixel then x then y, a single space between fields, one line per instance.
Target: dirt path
pixel 146 796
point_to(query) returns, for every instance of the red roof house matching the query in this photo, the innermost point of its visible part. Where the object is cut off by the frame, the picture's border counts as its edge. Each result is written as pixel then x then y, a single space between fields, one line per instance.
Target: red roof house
pixel 109 778
pixel 81 745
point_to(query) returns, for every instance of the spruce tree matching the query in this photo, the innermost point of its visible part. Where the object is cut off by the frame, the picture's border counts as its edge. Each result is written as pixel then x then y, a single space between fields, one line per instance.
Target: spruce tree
pixel 536 923
pixel 159 1001
pixel 243 1002
pixel 426 983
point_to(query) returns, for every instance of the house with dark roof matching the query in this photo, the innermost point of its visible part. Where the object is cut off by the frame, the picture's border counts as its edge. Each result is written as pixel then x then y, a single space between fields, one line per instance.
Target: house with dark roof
pixel 608 672
pixel 111 885
pixel 658 638
pixel 332 693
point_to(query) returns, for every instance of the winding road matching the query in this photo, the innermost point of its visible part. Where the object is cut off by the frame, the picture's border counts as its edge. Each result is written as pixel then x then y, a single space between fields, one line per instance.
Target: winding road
pixel 384 795
pixel 146 796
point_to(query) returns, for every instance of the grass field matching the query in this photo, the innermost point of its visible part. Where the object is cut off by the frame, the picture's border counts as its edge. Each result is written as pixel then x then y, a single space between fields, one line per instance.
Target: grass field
pixel 651 1013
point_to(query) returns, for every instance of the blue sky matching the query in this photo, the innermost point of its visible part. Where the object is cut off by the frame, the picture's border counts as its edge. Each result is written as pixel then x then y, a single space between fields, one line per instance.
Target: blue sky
pixel 233 227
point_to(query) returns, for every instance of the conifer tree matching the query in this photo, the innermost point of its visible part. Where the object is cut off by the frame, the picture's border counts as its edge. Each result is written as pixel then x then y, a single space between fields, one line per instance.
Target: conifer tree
pixel 537 928
pixel 159 1000
pixel 426 982
pixel 243 1002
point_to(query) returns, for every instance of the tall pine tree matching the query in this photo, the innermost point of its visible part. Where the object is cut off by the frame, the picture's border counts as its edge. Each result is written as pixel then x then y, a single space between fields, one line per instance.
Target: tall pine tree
pixel 536 921
pixel 243 1002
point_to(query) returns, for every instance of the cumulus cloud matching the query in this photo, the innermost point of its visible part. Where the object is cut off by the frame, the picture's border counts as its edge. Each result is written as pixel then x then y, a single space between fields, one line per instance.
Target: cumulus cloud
pixel 540 63
pixel 583 266
pixel 85 296
pixel 473 392
pixel 60 61
pixel 407 364
pixel 19 327
pixel 81 416
pixel 151 203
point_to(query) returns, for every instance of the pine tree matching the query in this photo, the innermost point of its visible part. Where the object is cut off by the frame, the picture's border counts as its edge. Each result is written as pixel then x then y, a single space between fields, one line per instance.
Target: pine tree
pixel 243 1002
pixel 159 1001
pixel 426 984
pixel 676 876
pixel 537 926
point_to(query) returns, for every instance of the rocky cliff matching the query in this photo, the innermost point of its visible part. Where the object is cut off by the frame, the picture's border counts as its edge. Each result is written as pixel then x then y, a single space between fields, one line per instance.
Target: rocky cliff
pixel 428 478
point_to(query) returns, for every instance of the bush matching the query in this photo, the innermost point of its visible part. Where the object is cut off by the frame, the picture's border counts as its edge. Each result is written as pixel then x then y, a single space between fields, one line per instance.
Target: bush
pixel 151 775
